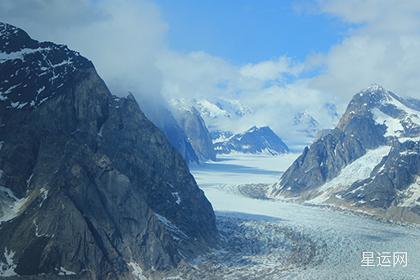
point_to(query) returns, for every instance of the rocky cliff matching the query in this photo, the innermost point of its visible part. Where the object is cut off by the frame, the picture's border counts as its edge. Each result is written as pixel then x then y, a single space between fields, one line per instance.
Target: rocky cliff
pixel 194 127
pixel 157 112
pixel 89 188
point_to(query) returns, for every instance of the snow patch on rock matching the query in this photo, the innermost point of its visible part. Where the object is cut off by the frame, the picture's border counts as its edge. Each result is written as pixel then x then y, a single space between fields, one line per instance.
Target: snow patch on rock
pixel 137 271
pixel 177 197
pixel 64 272
pixel 411 196
pixel 358 170
pixel 178 233
pixel 7 269
pixel 10 205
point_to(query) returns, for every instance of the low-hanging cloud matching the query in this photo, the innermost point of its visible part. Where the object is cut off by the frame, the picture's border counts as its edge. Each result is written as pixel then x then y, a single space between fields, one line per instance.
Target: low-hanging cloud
pixel 126 40
pixel 122 38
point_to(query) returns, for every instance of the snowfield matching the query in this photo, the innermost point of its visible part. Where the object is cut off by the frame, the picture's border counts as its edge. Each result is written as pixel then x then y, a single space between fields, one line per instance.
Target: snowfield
pixel 357 170
pixel 267 239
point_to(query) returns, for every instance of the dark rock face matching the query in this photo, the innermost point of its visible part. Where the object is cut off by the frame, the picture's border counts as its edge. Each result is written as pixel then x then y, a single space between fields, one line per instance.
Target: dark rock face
pixel 322 161
pixel 374 118
pixel 196 131
pixel 89 188
pixel 167 123
pixel 334 149
pixel 390 179
pixel 255 140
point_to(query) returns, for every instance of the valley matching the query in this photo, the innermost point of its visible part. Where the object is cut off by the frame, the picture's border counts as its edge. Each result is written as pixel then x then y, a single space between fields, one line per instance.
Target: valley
pixel 327 242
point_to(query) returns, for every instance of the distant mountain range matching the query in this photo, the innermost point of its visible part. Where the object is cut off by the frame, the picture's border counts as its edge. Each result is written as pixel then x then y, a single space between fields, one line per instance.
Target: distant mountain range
pixel 207 143
pixel 256 140
pixel 221 107
pixel 370 162
pixel 305 124
pixel 224 114
pixel 216 111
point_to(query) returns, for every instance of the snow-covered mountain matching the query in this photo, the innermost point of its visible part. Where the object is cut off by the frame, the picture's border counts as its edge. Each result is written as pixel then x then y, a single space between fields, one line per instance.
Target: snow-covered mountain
pixel 220 135
pixel 89 187
pixel 216 111
pixel 221 107
pixel 331 110
pixel 255 140
pixel 194 127
pixel 369 162
pixel 298 126
pixel 305 124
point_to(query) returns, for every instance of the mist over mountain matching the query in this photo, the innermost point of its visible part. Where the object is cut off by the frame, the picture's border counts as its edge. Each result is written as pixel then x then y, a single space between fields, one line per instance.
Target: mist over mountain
pixel 193 125
pixel 210 140
pixel 89 187
pixel 159 112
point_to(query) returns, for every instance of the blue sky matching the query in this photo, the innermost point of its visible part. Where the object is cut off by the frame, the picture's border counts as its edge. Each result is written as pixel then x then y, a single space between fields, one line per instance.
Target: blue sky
pixel 248 31
pixel 259 51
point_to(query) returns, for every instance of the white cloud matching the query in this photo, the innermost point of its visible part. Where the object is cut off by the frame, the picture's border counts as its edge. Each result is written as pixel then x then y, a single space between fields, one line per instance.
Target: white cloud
pixel 376 13
pixel 270 70
pixel 196 74
pixel 381 48
pixel 122 38
pixel 127 42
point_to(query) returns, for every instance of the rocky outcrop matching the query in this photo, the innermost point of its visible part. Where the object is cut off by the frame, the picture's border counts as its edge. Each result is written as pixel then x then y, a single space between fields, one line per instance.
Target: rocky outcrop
pixel 89 187
pixel 163 118
pixel 255 140
pixel 369 162
pixel 389 182
pixel 322 161
pixel 191 122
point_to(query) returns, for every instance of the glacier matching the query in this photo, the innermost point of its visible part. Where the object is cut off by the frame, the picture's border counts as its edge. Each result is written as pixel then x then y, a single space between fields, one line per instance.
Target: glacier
pixel 272 239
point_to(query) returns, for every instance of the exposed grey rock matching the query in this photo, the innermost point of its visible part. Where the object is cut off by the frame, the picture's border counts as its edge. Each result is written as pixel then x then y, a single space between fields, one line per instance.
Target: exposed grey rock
pixel 374 118
pixel 255 140
pixel 89 185
pixel 322 161
pixel 167 123
pixel 389 181
pixel 193 125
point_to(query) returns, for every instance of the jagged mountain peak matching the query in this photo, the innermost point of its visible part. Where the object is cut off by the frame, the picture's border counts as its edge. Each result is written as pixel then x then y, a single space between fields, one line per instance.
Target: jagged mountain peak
pixel 370 161
pixel 304 117
pixel 86 157
pixel 43 68
pixel 194 127
pixel 396 116
pixel 14 38
pixel 375 87
pixel 255 140
pixel 376 96
pixel 254 129
pixel 367 98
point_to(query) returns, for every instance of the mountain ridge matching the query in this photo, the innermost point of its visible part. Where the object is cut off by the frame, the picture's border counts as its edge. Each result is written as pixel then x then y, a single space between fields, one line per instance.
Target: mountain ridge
pixel 194 126
pixel 255 140
pixel 367 163
pixel 81 155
